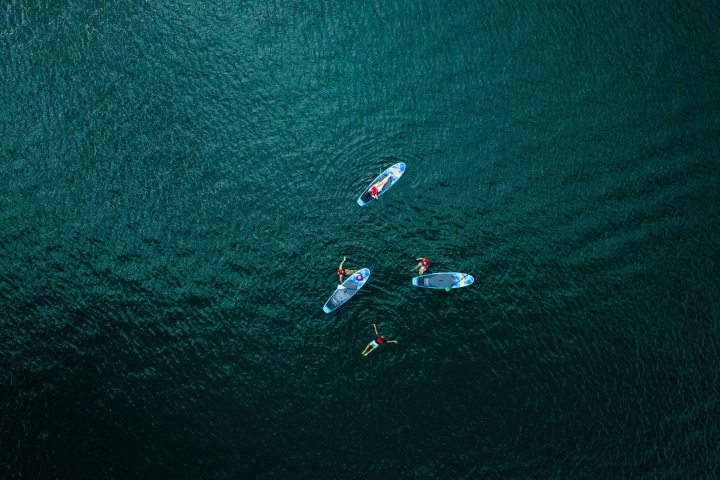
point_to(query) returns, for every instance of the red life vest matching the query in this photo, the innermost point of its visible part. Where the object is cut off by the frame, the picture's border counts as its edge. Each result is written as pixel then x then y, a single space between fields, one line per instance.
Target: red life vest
pixel 425 262
pixel 374 191
pixel 340 272
pixel 380 340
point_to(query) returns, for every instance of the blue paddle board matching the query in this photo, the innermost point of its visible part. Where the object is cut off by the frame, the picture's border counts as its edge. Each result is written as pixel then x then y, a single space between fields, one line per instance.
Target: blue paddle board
pixel 387 179
pixel 347 289
pixel 443 280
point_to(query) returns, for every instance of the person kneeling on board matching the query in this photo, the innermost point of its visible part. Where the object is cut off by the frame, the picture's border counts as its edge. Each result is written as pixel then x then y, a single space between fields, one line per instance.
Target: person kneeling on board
pixel 379 340
pixel 423 265
pixel 342 272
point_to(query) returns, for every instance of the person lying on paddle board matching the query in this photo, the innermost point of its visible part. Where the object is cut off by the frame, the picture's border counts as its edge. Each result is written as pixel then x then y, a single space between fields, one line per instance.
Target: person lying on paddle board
pixel 423 265
pixel 377 188
pixel 379 340
pixel 342 272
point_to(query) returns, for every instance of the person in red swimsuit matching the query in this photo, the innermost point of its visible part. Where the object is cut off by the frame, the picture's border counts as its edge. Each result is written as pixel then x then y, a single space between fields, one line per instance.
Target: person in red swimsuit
pixel 375 189
pixel 379 340
pixel 341 272
pixel 423 265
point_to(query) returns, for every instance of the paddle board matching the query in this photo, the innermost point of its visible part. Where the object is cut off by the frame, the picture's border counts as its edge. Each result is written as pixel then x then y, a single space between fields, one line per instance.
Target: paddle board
pixel 443 280
pixel 392 174
pixel 349 288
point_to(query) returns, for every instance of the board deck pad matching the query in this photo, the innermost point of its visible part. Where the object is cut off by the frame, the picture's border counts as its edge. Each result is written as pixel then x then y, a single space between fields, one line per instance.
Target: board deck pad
pixel 394 172
pixel 443 280
pixel 342 295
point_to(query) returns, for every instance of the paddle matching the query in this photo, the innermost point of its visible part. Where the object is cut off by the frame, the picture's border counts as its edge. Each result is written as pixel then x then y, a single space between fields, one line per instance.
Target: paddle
pixel 447 289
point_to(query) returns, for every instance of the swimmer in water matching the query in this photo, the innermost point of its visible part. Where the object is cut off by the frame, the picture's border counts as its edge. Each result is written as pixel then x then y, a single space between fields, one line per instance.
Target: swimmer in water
pixel 379 340
pixel 341 272
pixel 423 265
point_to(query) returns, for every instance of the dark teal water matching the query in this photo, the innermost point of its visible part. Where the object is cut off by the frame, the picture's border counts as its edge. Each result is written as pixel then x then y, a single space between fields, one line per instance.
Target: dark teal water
pixel 178 184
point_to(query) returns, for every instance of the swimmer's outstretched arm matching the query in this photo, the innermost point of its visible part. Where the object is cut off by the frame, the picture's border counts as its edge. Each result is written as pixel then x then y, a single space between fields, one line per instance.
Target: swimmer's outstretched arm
pixel 375 329
pixel 392 341
pixel 341 263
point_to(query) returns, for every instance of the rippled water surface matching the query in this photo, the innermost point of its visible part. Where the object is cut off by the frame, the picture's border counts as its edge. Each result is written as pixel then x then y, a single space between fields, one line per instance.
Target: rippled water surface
pixel 178 185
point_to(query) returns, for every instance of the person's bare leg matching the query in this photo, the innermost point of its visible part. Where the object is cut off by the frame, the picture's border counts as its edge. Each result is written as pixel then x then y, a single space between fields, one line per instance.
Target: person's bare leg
pixel 368 353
